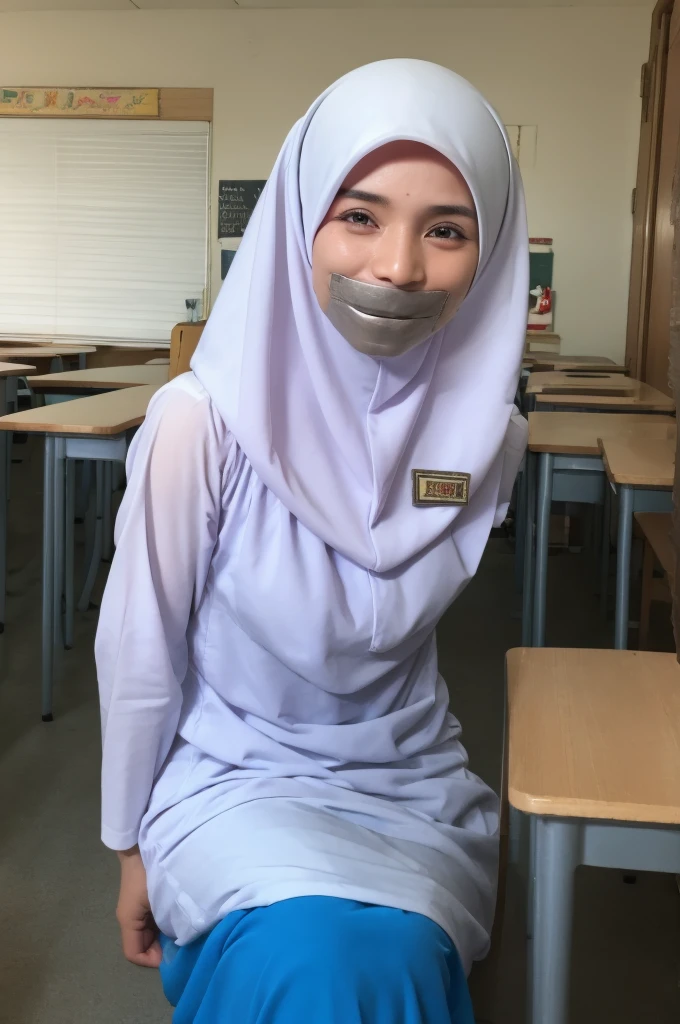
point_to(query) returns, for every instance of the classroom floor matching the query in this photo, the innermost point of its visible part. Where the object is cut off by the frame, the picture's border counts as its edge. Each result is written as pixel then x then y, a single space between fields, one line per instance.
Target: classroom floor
pixel 59 956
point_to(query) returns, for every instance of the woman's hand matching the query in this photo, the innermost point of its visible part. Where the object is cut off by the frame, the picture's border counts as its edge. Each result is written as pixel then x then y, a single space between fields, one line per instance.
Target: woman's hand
pixel 137 927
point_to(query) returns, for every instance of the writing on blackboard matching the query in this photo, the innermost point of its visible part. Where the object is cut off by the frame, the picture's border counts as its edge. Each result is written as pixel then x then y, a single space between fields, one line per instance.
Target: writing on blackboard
pixel 237 200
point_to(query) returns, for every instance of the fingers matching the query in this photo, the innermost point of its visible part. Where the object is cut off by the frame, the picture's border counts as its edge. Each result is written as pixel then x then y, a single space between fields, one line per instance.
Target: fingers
pixel 150 957
pixel 138 929
pixel 141 947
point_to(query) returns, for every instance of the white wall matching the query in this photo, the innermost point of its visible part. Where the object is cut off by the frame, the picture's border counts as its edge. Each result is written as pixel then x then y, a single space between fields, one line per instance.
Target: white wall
pixel 574 72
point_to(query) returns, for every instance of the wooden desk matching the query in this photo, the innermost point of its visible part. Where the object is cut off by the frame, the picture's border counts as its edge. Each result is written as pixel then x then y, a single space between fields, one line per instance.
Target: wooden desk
pixel 107 415
pixel 54 353
pixel 548 361
pixel 549 340
pixel 639 460
pixel 44 342
pixel 572 714
pixel 577 382
pixel 640 470
pixel 638 396
pixel 15 369
pixel 564 463
pixel 594 749
pixel 43 351
pixel 85 428
pixel 579 433
pixel 106 378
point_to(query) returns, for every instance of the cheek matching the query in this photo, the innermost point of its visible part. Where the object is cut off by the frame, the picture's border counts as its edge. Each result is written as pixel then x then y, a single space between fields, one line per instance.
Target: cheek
pixel 453 272
pixel 456 277
pixel 336 251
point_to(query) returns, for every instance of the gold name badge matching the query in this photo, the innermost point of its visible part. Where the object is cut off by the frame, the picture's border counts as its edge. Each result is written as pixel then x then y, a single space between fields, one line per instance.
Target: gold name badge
pixel 432 488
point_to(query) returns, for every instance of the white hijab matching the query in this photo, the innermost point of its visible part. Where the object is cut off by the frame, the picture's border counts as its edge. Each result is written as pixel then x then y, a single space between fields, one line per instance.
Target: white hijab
pixel 333 433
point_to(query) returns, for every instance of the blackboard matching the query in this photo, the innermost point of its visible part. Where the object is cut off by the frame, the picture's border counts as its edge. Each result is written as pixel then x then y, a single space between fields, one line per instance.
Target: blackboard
pixel 237 201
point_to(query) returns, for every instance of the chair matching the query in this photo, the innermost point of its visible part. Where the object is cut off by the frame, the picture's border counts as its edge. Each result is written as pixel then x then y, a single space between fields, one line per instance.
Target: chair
pixel 183 341
pixel 656 530
pixel 588 800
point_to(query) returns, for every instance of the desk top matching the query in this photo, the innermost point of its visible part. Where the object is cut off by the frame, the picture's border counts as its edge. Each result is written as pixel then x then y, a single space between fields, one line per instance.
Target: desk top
pixel 49 341
pixel 102 377
pixel 99 415
pixel 550 361
pixel 15 369
pixel 639 461
pixel 578 381
pixel 578 433
pixel 594 733
pixel 43 351
pixel 637 396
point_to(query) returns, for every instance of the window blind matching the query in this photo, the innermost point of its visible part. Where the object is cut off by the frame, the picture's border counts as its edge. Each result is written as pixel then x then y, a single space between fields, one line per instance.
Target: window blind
pixel 103 227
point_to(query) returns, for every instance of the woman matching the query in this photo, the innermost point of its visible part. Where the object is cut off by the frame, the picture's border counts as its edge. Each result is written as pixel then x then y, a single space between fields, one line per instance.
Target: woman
pixel 280 767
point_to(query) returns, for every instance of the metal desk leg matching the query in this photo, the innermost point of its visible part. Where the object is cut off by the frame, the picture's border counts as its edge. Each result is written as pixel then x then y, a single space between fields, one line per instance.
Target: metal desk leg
pixel 5 442
pixel 93 568
pixel 543 503
pixel 557 855
pixel 531 876
pixel 82 361
pixel 59 536
pixel 520 527
pixel 69 518
pixel 604 562
pixel 84 488
pixel 529 520
pixel 9 404
pixel 623 545
pixel 48 579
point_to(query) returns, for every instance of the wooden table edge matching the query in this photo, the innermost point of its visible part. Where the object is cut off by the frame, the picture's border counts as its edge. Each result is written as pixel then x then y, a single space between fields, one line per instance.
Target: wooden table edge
pixel 14 369
pixel 56 387
pixel 642 486
pixel 564 449
pixel 75 430
pixel 61 351
pixel 642 405
pixel 597 810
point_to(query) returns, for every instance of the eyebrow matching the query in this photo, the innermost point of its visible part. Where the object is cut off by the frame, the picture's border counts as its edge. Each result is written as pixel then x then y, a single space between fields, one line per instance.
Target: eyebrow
pixel 363 197
pixel 452 211
pixel 434 211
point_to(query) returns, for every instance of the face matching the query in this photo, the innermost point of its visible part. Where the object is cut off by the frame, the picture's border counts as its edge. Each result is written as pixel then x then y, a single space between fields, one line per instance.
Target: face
pixel 404 218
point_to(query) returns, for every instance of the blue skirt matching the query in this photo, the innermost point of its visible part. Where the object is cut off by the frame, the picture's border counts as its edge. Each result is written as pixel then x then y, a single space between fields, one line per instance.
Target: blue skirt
pixel 320 959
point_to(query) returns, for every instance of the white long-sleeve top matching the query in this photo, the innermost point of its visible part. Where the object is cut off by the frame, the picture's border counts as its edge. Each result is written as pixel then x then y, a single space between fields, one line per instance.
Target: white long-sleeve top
pixel 274 723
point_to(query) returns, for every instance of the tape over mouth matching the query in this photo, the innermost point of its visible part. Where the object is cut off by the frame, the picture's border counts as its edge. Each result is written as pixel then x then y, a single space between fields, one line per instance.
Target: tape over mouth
pixel 389 303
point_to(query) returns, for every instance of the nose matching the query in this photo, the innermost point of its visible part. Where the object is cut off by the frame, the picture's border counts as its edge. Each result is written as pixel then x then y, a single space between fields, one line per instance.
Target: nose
pixel 398 258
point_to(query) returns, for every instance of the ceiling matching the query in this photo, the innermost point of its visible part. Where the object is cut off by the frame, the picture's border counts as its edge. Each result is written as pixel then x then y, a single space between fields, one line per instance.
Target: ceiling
pixel 159 5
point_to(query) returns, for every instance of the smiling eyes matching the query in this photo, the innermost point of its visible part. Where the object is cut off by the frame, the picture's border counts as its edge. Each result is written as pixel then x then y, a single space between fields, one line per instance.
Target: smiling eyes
pixel 441 232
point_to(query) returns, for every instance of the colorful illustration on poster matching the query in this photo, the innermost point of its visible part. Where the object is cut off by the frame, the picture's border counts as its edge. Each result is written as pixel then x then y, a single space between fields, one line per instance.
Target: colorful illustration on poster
pixel 64 102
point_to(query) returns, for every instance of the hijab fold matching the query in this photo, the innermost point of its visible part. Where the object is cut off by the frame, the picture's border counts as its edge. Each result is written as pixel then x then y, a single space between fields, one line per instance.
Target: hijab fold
pixel 334 433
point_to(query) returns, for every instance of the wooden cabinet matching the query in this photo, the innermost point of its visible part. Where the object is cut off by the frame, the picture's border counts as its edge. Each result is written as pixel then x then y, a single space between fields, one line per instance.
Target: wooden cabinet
pixel 648 334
